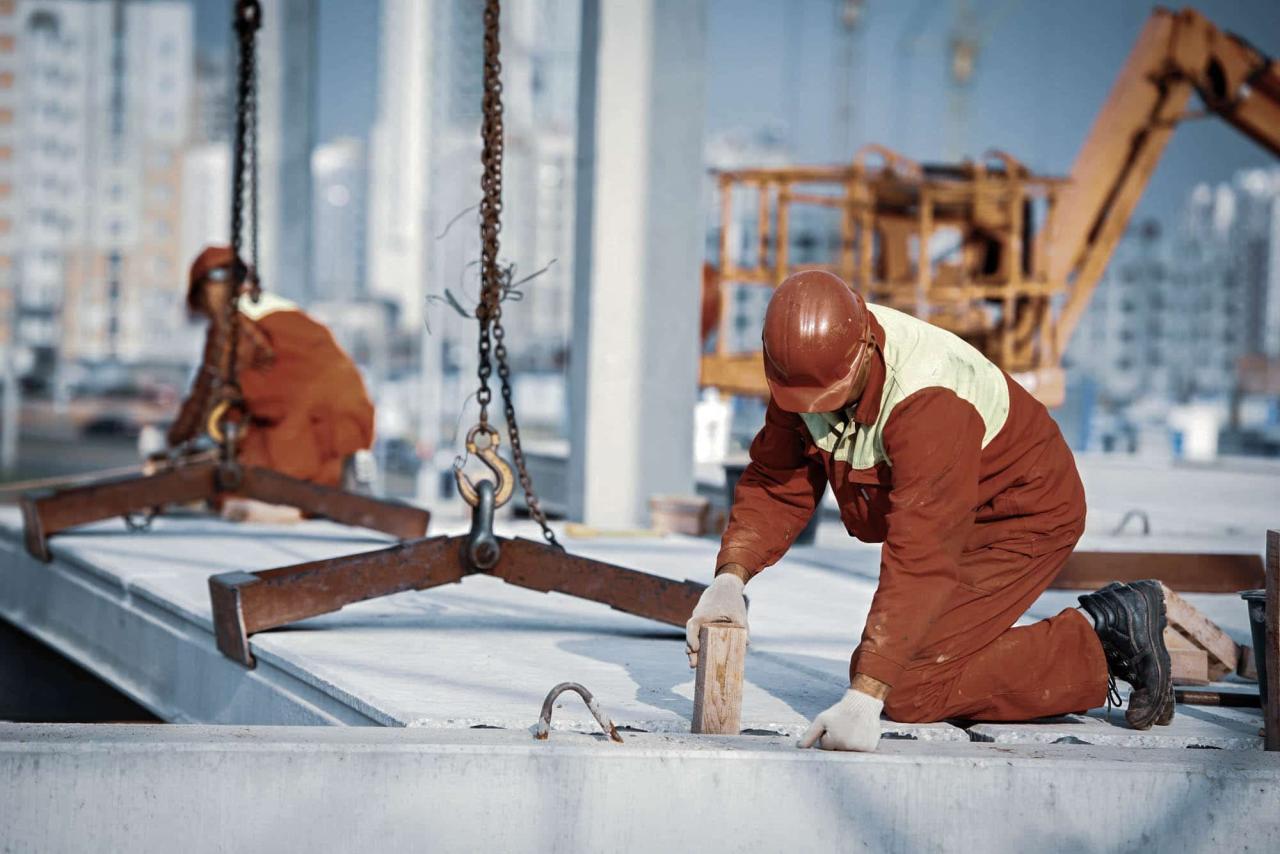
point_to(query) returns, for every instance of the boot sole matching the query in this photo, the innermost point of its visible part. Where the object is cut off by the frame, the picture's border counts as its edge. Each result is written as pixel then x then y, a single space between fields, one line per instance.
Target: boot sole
pixel 1162 714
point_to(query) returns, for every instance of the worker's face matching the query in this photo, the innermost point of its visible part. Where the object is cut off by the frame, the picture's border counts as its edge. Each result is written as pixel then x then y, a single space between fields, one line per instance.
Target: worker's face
pixel 861 380
pixel 214 295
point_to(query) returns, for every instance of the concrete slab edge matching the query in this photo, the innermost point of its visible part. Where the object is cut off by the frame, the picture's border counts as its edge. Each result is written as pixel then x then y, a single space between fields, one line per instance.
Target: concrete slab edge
pixel 258 788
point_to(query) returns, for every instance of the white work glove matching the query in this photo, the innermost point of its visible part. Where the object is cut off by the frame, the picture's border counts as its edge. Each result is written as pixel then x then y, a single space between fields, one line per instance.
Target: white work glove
pixel 722 602
pixel 851 724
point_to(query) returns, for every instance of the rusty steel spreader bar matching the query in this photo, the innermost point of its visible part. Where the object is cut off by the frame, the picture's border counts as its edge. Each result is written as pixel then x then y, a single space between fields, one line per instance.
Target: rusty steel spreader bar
pixel 46 515
pixel 245 603
pixel 1184 572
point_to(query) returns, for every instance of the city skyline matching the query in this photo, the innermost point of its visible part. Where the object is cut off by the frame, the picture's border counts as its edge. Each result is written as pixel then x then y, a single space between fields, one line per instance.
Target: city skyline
pixel 1031 54
pixel 365 211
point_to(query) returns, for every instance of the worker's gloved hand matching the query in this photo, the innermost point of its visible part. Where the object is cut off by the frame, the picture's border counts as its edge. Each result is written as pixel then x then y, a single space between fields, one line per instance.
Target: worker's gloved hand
pixel 851 724
pixel 722 602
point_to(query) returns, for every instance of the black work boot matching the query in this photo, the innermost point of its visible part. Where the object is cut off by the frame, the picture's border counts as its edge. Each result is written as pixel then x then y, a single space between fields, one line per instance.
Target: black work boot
pixel 1130 621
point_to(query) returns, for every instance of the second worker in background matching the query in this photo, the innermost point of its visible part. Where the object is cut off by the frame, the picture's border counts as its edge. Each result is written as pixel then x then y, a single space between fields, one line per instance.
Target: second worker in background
pixel 308 413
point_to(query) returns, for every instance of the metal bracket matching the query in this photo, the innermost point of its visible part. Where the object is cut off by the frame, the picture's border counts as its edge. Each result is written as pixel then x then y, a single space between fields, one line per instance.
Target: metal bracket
pixel 543 730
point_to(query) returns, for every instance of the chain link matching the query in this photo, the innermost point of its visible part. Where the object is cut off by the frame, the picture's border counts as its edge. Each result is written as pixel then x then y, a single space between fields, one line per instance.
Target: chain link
pixel 252 121
pixel 248 18
pixel 494 280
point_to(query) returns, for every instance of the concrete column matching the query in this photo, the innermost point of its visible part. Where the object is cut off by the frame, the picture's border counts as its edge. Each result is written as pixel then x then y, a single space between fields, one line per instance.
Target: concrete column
pixel 637 258
pixel 286 137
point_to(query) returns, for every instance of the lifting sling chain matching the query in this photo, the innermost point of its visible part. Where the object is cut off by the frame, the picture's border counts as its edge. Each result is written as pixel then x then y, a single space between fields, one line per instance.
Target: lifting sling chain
pixel 227 417
pixel 483 439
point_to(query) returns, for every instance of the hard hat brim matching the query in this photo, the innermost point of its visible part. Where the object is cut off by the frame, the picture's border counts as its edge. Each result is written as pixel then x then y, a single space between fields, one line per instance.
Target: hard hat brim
pixel 824 398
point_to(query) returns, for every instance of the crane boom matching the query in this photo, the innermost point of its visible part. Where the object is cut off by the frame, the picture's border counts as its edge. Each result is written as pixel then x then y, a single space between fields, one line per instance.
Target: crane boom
pixel 1175 55
pixel 1004 258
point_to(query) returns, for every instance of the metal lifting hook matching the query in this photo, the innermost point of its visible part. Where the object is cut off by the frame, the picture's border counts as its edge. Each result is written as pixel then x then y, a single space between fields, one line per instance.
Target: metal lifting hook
pixel 218 416
pixel 504 482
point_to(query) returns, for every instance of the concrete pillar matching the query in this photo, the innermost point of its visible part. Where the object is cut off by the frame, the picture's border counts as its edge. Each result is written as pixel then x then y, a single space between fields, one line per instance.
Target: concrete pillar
pixel 638 255
pixel 286 137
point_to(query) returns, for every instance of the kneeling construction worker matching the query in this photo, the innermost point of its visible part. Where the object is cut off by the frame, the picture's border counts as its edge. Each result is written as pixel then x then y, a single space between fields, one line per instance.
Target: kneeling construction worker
pixel 307 408
pixel 937 453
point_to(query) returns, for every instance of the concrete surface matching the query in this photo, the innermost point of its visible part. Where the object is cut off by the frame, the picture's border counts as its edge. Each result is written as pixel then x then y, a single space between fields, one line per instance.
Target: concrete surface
pixel 1193 726
pixel 133 608
pixel 142 789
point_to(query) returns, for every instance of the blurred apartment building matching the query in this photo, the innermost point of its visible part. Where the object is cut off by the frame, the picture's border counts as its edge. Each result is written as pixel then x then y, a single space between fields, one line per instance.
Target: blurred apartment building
pixel 102 93
pixel 206 165
pixel 287 48
pixel 339 218
pixel 9 209
pixel 118 146
pixel 425 164
pixel 364 324
pixel 1176 312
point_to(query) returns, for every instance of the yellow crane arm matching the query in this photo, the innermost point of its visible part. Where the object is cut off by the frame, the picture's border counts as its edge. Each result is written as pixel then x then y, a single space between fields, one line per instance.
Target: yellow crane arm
pixel 1176 54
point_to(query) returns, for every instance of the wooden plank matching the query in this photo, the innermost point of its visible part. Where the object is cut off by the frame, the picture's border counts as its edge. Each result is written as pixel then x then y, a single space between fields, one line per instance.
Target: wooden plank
pixel 717 689
pixel 1190 573
pixel 1271 703
pixel 1248 666
pixel 1216 696
pixel 1190 663
pixel 1224 654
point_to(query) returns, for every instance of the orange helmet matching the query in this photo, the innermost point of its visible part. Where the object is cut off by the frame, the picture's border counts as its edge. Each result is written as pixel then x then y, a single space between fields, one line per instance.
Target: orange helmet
pixel 817 337
pixel 217 260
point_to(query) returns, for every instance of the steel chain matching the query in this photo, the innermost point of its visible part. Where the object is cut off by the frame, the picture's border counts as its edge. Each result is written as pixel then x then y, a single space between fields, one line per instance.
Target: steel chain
pixel 248 19
pixel 252 120
pixel 494 280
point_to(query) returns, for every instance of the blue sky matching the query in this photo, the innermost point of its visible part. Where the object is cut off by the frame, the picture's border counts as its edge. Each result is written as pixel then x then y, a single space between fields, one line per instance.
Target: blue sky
pixel 1043 71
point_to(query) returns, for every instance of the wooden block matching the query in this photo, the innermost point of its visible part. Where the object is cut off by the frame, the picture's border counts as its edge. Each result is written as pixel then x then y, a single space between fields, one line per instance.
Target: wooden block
pixel 1248 667
pixel 1190 663
pixel 1271 703
pixel 1223 652
pixel 1217 696
pixel 717 688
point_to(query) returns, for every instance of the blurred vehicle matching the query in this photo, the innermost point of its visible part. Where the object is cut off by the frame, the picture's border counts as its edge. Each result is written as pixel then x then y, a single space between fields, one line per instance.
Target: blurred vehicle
pixel 398 455
pixel 111 425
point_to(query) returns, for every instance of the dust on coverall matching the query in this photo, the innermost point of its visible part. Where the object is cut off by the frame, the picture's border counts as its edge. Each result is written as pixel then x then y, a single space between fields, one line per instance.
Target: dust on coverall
pixel 308 408
pixel 969 484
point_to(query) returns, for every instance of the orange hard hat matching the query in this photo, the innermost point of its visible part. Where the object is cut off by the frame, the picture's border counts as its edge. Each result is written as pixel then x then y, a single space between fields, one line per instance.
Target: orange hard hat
pixel 817 337
pixel 211 259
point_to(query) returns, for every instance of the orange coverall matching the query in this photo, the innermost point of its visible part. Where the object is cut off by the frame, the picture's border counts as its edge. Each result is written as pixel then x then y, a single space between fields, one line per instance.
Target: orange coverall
pixel 308 408
pixel 972 536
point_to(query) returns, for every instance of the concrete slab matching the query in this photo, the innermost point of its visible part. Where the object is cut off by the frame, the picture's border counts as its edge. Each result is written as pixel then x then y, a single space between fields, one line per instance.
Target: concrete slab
pixel 307 789
pixel 133 607
pixel 1193 726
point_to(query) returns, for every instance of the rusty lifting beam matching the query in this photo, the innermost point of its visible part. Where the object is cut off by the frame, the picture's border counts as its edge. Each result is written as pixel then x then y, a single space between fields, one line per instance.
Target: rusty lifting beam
pixel 245 603
pixel 207 480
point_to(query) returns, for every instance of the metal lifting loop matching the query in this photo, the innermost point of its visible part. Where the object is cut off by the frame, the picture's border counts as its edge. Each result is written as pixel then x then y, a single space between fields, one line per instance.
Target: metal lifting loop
pixel 543 730
pixel 482 548
pixel 504 483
